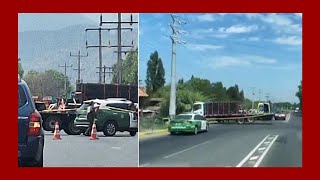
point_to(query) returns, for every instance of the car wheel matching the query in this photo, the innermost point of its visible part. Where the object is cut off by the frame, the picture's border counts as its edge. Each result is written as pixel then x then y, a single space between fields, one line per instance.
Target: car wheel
pixel 173 133
pixel 207 128
pixel 49 123
pixel 133 133
pixel 110 129
pixel 71 129
pixel 195 132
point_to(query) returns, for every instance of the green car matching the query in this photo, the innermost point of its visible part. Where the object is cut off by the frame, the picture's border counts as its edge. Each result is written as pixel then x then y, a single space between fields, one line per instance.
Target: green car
pixel 188 123
pixel 108 119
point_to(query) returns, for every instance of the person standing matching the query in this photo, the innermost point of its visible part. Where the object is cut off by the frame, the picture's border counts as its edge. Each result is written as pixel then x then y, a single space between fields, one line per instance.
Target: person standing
pixel 90 117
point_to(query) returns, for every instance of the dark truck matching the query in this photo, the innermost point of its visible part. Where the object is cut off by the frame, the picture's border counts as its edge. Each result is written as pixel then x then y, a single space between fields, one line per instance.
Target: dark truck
pixel 231 111
pixel 85 91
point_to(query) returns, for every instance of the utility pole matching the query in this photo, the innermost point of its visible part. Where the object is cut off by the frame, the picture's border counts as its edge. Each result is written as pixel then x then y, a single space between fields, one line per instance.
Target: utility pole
pixel 174 39
pixel 259 95
pixel 267 97
pixel 253 89
pixel 119 52
pixel 105 72
pixel 65 78
pixel 79 66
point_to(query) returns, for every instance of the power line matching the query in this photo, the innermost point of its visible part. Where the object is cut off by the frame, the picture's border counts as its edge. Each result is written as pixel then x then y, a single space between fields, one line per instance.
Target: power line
pixel 79 66
pixel 119 46
pixel 65 77
pixel 105 72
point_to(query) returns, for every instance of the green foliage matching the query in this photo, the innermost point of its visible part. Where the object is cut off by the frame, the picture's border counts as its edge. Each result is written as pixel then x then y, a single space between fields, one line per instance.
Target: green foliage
pixel 155 73
pixel 299 94
pixel 129 69
pixel 48 83
pixel 20 69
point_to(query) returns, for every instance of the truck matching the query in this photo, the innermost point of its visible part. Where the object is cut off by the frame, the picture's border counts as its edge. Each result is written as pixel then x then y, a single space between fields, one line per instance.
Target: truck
pixel 84 91
pixel 232 111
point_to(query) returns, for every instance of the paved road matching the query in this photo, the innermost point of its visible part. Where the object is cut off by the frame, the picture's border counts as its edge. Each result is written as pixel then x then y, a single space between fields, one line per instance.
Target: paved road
pixel 79 151
pixel 229 145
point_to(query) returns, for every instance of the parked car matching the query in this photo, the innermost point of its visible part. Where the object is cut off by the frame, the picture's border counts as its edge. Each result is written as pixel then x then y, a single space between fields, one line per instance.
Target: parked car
pixel 188 123
pixel 280 115
pixel 30 132
pixel 113 115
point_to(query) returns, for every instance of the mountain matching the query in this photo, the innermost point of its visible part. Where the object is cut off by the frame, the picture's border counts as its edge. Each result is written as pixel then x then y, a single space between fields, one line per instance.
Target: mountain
pixel 41 50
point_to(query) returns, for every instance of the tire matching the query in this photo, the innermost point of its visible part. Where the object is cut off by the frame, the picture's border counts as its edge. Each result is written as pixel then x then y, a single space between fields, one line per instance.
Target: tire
pixel 133 133
pixel 110 128
pixel 49 123
pixel 40 162
pixel 173 133
pixel 240 121
pixel 207 128
pixel 250 120
pixel 195 132
pixel 71 129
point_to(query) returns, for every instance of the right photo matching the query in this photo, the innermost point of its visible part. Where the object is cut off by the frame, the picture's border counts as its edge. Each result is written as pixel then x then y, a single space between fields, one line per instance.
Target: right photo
pixel 220 90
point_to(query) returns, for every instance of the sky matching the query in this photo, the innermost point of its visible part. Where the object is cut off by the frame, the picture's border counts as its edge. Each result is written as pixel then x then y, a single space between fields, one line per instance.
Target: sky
pixel 259 52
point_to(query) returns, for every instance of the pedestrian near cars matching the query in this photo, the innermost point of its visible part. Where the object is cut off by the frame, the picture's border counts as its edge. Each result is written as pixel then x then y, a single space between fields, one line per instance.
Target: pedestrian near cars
pixel 91 114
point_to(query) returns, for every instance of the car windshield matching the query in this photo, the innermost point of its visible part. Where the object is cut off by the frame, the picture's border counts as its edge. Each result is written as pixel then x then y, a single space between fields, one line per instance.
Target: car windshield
pixel 196 107
pixel 183 117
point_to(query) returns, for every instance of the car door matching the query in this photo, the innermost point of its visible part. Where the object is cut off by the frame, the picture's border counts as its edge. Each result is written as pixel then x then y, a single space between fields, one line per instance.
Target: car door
pixel 24 111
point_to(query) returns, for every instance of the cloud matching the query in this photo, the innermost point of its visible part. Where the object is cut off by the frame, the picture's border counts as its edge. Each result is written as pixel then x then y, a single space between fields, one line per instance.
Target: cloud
pixel 206 18
pixel 235 61
pixel 288 67
pixel 203 47
pixel 280 23
pixel 238 29
pixel 253 39
pixel 289 40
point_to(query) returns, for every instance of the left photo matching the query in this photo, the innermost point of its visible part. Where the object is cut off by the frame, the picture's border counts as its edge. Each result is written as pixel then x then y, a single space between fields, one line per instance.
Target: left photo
pixel 78 90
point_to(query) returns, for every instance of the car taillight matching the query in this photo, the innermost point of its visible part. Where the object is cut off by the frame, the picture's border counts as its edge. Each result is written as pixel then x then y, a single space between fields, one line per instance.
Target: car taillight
pixel 34 125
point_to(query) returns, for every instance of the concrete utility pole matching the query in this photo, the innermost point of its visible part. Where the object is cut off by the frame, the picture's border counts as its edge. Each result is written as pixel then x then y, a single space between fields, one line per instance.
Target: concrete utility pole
pixel 106 72
pixel 119 51
pixel 174 39
pixel 100 46
pixel 65 78
pixel 79 66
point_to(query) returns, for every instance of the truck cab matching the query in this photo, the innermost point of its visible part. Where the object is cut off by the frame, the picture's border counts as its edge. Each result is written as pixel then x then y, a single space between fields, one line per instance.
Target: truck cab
pixel 198 108
pixel 264 108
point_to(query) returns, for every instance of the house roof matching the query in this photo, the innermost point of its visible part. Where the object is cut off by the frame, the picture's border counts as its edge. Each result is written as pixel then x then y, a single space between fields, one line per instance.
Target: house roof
pixel 142 93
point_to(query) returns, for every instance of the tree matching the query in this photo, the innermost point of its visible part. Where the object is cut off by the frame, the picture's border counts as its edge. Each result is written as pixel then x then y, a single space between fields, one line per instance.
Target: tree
pixel 155 73
pixel 20 69
pixel 299 94
pixel 129 69
pixel 48 83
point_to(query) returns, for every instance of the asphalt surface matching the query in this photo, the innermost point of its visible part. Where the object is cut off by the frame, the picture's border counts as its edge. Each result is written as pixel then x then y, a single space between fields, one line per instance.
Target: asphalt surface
pixel 120 150
pixel 227 145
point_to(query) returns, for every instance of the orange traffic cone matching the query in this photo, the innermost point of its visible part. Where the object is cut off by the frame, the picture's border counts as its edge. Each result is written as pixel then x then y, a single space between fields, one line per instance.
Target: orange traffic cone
pixel 94 132
pixel 56 134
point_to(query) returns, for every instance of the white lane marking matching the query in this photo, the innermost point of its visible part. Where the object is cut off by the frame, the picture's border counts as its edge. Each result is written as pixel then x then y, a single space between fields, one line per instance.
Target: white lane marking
pixel 250 154
pixel 192 147
pixel 144 165
pixel 261 149
pixel 253 158
pixel 265 152
pixel 266 142
pixel 116 148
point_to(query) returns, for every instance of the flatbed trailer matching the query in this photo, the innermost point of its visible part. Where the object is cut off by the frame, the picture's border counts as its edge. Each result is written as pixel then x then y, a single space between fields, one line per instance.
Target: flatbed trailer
pixel 231 111
pixel 64 117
